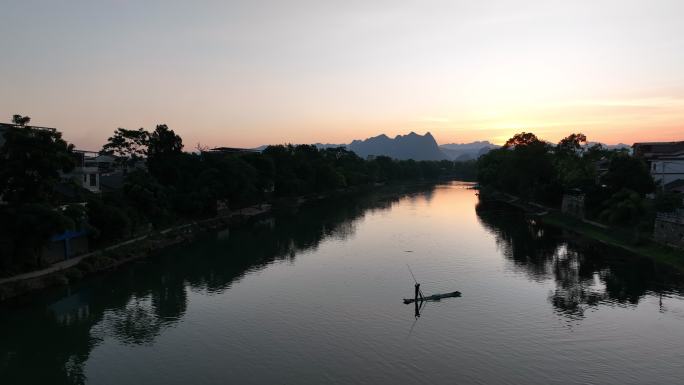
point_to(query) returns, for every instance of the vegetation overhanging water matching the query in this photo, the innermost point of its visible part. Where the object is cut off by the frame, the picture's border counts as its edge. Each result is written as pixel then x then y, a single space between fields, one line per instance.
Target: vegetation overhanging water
pixel 321 301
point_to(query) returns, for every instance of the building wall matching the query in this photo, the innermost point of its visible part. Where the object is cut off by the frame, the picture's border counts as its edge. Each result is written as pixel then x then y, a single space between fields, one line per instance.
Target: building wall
pixel 87 177
pixel 56 251
pixel 78 246
pixel 573 205
pixel 2 136
pixel 666 171
pixel 669 229
pixel 91 180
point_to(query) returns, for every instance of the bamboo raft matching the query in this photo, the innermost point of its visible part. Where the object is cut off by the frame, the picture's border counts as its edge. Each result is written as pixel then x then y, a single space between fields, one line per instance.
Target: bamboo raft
pixel 433 298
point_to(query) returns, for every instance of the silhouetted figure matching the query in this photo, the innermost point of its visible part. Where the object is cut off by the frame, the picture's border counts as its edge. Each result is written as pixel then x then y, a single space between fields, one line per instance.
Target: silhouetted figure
pixel 417 309
pixel 418 293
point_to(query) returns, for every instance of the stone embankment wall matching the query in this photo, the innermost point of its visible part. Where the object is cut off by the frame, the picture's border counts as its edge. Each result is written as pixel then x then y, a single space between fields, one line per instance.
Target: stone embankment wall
pixel 110 258
pixel 573 205
pixel 669 229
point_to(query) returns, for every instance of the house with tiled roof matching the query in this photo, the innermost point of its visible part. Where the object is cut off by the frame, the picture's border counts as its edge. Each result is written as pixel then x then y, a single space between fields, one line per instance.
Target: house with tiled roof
pixel 664 159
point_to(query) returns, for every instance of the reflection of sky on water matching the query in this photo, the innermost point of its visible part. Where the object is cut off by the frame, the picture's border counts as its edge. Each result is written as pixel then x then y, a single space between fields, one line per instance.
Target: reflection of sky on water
pixel 321 287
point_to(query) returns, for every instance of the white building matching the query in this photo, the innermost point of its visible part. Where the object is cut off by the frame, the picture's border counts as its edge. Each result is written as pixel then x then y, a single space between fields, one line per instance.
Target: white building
pixel 668 170
pixel 87 171
pixel 665 160
pixel 3 128
pixel 90 166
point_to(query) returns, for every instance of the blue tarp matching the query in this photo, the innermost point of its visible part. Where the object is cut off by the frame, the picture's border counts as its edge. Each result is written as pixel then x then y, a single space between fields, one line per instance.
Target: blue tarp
pixel 69 235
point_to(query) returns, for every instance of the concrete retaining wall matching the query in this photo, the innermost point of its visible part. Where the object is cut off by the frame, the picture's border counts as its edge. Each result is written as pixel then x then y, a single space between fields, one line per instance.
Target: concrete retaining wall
pixel 669 231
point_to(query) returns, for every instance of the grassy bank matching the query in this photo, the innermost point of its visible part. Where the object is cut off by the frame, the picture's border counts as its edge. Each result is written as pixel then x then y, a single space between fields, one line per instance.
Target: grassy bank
pixel 103 260
pixel 621 238
pixel 617 238
pixel 107 259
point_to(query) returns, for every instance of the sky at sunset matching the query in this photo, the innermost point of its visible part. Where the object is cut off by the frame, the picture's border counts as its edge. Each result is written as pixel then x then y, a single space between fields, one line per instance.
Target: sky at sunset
pixel 229 73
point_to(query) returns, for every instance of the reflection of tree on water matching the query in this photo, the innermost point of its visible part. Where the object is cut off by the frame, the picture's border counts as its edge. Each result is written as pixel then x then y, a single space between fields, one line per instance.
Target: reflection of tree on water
pixel 586 273
pixel 132 307
pixel 145 315
pixel 137 304
pixel 135 323
pixel 578 282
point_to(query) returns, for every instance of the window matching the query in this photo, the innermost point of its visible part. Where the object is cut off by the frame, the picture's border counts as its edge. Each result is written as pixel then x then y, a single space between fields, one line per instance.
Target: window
pixel 93 180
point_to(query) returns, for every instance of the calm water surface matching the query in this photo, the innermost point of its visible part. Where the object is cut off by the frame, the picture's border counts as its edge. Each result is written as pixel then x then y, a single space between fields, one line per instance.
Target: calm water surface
pixel 313 296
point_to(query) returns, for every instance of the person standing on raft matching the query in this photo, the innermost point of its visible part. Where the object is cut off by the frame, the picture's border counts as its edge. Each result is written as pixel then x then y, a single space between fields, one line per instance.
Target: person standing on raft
pixel 418 293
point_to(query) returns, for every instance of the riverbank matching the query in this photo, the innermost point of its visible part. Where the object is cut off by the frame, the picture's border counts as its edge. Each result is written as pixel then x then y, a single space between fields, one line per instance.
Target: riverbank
pixel 596 231
pixel 616 238
pixel 113 256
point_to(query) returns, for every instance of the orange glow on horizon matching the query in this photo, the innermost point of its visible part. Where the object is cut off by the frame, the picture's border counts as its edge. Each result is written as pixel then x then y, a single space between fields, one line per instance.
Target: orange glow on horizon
pixel 242 74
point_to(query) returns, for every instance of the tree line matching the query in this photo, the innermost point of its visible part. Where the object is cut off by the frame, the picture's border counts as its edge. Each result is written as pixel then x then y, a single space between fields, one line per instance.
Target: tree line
pixel 615 183
pixel 171 186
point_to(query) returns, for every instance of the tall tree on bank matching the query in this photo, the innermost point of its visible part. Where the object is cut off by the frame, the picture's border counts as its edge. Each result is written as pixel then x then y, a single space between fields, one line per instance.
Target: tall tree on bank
pixel 164 150
pixel 574 168
pixel 571 144
pixel 522 139
pixel 20 120
pixel 162 147
pixel 127 145
pixel 163 141
pixel 32 161
pixel 523 166
pixel 628 172
pixel 533 169
pixel 26 229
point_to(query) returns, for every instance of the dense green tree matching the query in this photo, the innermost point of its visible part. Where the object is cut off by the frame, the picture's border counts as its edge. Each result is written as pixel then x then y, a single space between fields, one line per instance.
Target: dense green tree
pixel 128 145
pixel 176 185
pixel 110 222
pixel 574 170
pixel 522 139
pixel 571 143
pixel 625 207
pixel 466 170
pixel 495 169
pixel 524 167
pixel 597 152
pixel 628 172
pixel 163 141
pixel 230 178
pixel 164 151
pixel 265 170
pixel 32 159
pixel 20 120
pixel 534 170
pixel 147 197
pixel 78 214
pixel 26 229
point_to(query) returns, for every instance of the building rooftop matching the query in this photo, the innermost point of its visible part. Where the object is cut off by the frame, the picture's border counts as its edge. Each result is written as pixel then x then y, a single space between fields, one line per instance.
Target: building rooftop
pixel 677 186
pixel 656 149
pixel 230 150
pixel 9 125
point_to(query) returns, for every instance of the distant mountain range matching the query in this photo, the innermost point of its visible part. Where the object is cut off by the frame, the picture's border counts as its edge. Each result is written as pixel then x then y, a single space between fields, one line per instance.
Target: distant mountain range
pixel 467 151
pixel 411 146
pixel 619 146
pixel 421 147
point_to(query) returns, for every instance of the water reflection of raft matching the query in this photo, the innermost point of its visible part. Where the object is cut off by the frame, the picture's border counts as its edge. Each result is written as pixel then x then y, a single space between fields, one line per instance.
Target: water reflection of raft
pixel 434 297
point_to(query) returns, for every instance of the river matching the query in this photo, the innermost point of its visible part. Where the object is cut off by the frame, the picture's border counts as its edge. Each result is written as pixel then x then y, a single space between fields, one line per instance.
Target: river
pixel 314 296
